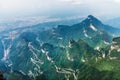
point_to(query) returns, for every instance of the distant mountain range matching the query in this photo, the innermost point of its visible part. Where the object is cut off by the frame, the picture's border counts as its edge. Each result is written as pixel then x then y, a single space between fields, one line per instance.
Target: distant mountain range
pixel 45 22
pixel 113 22
pixel 88 50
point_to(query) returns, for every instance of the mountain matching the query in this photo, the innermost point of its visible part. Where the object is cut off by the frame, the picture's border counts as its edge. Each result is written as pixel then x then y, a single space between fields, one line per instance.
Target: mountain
pixel 76 52
pixel 43 22
pixel 114 49
pixel 110 61
pixel 114 22
pixel 91 30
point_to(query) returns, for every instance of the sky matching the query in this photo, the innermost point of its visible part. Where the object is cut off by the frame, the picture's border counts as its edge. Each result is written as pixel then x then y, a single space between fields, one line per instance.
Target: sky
pixel 59 8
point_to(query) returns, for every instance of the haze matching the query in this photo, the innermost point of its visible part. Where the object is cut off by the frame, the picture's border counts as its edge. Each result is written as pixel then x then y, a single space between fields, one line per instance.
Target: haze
pixel 58 8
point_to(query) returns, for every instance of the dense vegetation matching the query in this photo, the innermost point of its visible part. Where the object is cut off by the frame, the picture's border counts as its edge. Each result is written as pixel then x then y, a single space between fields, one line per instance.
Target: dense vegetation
pixel 83 51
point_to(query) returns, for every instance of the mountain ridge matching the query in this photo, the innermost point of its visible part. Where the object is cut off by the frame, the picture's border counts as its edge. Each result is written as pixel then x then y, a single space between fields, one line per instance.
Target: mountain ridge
pixel 66 52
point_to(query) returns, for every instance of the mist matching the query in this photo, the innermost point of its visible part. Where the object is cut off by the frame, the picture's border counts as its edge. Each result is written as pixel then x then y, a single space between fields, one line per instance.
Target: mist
pixel 59 8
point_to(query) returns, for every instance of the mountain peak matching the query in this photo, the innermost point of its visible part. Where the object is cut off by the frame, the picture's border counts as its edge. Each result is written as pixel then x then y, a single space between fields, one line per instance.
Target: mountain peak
pixel 117 39
pixel 91 16
pixel 91 19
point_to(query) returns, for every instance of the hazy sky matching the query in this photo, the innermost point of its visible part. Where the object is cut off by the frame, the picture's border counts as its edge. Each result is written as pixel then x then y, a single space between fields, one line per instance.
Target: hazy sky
pixel 58 8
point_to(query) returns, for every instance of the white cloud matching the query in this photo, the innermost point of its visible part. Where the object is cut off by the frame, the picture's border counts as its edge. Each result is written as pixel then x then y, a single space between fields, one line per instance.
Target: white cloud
pixel 117 1
pixel 73 1
pixel 28 7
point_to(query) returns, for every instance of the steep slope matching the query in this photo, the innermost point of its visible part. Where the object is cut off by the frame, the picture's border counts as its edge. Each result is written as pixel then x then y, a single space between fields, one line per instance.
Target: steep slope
pixel 113 50
pixel 108 60
pixel 91 30
pixel 48 59
pixel 63 53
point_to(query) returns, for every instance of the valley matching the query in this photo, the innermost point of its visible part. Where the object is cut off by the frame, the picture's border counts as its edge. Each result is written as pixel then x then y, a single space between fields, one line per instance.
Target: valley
pixel 66 52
